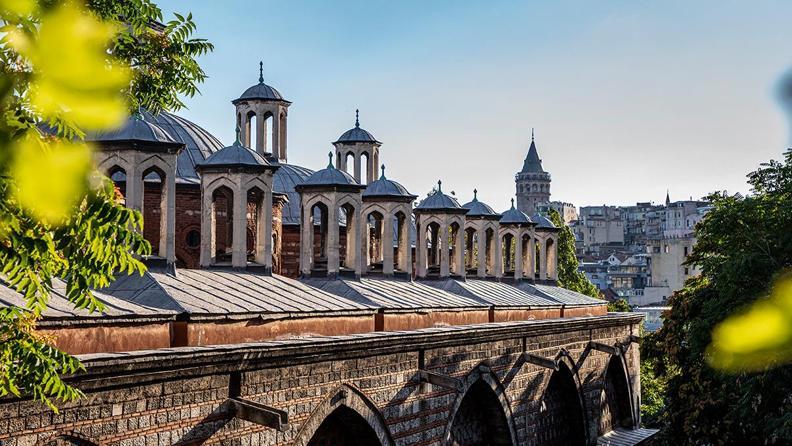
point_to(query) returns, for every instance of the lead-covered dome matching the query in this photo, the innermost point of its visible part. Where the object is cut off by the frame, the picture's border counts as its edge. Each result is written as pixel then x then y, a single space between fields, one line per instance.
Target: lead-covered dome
pixel 439 201
pixel 260 91
pixel 329 176
pixel 135 129
pixel 356 134
pixel 236 155
pixel 477 208
pixel 383 187
pixel 543 222
pixel 514 216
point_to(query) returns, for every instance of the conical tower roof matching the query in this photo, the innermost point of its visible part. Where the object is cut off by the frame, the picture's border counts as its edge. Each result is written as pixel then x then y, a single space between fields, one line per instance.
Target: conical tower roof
pixel 532 163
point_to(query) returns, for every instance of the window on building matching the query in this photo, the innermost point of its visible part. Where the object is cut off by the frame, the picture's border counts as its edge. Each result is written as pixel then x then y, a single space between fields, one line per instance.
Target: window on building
pixel 193 239
pixel 686 252
pixel 687 271
pixel 667 249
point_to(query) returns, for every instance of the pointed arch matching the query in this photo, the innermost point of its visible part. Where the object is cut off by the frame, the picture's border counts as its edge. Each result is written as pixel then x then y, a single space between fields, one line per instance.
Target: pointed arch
pixel 562 416
pixel 347 406
pixel 66 439
pixel 617 408
pixel 481 414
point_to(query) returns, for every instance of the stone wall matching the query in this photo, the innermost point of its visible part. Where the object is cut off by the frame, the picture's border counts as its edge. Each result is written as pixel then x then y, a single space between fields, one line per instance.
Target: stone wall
pixel 368 384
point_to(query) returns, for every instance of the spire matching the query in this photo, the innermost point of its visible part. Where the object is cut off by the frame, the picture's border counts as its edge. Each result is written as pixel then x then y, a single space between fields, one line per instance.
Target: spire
pixel 261 72
pixel 330 160
pixel 475 195
pixel 668 198
pixel 439 186
pixel 512 200
pixel 532 163
pixel 357 117
pixel 237 142
pixel 382 176
pixel 532 134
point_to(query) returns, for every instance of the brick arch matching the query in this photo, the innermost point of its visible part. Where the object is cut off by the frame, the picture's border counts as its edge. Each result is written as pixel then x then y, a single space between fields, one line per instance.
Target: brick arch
pixel 67 439
pixel 562 415
pixel 483 396
pixel 617 405
pixel 349 401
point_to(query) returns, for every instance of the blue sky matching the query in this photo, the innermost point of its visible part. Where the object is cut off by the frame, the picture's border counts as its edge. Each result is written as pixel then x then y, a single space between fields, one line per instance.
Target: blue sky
pixel 628 98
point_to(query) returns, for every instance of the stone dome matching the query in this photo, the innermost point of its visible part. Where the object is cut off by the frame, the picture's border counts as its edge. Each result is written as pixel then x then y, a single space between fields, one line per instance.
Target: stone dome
pixel 543 222
pixel 477 208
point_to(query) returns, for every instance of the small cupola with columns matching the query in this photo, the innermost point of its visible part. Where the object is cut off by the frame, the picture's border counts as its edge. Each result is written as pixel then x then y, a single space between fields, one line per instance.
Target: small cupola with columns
pixel 517 240
pixel 261 115
pixel 140 157
pixel 482 250
pixel 327 198
pixel 357 143
pixel 236 208
pixel 439 248
pixel 546 239
pixel 387 207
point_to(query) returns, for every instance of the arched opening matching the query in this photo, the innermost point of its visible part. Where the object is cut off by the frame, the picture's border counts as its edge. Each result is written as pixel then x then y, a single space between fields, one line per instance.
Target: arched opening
pixel 267 129
pixel 344 427
pixel 401 243
pixel 256 215
pixel 538 257
pixel 471 250
pixel 615 403
pixel 154 208
pixel 376 241
pixel 508 249
pixel 367 176
pixel 480 420
pixel 550 259
pixel 319 221
pixel 489 247
pixel 222 229
pixel 526 257
pixel 348 251
pixel 561 421
pixel 252 134
pixel 67 440
pixel 118 175
pixel 454 231
pixel 433 249
pixel 350 164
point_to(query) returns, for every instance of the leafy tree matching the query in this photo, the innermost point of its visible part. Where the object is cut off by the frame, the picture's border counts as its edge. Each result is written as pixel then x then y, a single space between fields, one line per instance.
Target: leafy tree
pixel 569 276
pixel 76 70
pixel 619 305
pixel 743 245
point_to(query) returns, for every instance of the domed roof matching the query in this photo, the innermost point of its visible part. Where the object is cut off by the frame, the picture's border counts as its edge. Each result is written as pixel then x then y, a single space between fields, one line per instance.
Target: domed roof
pixel 543 222
pixel 136 128
pixel 235 155
pixel 514 216
pixel 260 91
pixel 284 182
pixel 439 201
pixel 356 134
pixel 479 209
pixel 329 176
pixel 384 187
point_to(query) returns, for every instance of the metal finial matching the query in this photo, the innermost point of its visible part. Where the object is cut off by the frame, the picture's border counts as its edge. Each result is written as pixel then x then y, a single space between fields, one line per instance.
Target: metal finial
pixel 261 72
pixel 475 194
pixel 439 186
pixel 238 131
pixel 382 176
pixel 512 200
pixel 532 134
pixel 330 159
pixel 357 118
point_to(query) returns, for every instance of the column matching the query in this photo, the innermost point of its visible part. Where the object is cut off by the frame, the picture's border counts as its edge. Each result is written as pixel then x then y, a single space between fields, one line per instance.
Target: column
pixel 518 257
pixel 387 244
pixel 542 259
pixel 498 247
pixel 239 244
pixel 357 167
pixel 357 236
pixel 405 253
pixel 282 136
pixel 261 134
pixel 207 229
pixel 333 244
pixel 306 242
pixel 444 260
pixel 420 248
pixel 481 254
pixel 459 250
pixel 276 133
pixel 134 188
pixel 167 244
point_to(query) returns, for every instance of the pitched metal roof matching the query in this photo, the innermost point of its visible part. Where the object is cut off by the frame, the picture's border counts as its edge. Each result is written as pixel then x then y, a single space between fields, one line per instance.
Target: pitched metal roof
pixel 491 293
pixel 558 294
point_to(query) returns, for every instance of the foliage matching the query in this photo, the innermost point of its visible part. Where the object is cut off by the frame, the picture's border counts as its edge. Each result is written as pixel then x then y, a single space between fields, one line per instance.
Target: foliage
pixel 654 381
pixel 66 67
pixel 569 276
pixel 744 244
pixel 619 305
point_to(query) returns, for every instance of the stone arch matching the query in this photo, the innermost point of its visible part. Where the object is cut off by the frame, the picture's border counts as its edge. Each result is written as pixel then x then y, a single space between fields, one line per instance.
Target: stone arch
pixel 481 414
pixel 67 439
pixel 616 401
pixel 562 419
pixel 218 182
pixel 346 405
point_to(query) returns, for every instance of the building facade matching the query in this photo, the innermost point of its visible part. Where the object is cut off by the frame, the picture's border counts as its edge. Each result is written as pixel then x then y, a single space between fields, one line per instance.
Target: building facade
pixel 532 182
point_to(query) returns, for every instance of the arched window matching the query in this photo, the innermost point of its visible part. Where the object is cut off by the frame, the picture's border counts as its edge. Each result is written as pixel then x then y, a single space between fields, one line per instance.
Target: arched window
pixel 471 250
pixel 222 230
pixel 454 231
pixel 401 242
pixel 319 221
pixel 154 208
pixel 376 241
pixel 433 247
pixel 349 252
pixel 508 250
pixel 526 255
pixel 616 408
pixel 489 246
pixel 344 427
pixel 550 253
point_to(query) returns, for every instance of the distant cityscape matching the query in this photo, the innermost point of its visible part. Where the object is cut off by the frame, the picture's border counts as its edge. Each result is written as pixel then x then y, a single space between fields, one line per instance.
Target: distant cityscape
pixel 632 252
